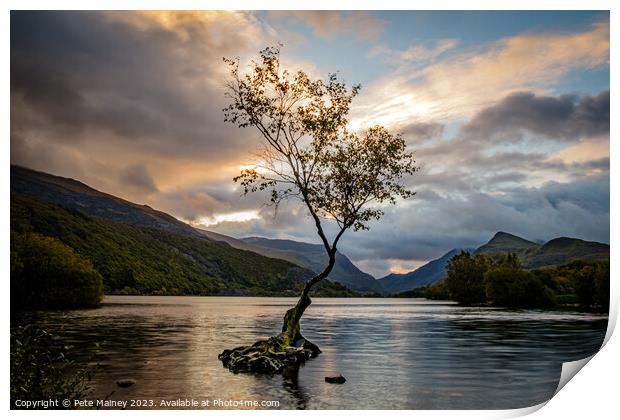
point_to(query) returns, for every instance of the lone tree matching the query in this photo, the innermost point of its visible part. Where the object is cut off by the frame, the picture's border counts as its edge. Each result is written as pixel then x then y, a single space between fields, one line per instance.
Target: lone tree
pixel 308 153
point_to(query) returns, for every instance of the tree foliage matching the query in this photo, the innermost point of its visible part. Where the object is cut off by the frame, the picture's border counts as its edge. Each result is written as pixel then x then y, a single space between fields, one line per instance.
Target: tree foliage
pixel 308 151
pixel 500 280
pixel 140 260
pixel 514 287
pixel 465 279
pixel 48 274
pixel 590 282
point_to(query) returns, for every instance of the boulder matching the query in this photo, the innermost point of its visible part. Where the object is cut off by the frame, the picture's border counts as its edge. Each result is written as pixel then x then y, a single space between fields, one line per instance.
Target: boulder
pixel 335 379
pixel 268 356
pixel 125 383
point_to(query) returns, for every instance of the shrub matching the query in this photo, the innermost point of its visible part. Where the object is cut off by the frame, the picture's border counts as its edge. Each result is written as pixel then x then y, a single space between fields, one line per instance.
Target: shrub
pixel 45 273
pixel 591 282
pixel 40 370
pixel 513 287
pixel 465 280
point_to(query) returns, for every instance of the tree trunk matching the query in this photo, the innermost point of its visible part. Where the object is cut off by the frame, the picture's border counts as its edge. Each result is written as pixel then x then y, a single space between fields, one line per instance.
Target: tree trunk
pixel 291 329
pixel 289 348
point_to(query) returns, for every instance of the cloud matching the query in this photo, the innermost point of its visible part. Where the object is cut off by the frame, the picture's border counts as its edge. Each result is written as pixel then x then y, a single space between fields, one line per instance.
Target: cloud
pixel 139 87
pixel 415 53
pixel 130 103
pixel 523 139
pixel 458 86
pixel 559 118
pixel 327 24
pixel 427 230
pixel 138 177
pixel 588 193
pixel 422 131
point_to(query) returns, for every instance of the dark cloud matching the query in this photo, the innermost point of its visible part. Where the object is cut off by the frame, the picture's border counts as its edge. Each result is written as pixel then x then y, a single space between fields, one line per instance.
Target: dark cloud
pixel 92 93
pixel 422 131
pixel 138 177
pixel 76 74
pixel 433 223
pixel 589 193
pixel 565 117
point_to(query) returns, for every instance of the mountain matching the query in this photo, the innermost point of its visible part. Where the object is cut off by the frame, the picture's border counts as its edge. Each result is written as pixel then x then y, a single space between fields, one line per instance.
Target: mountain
pixel 503 243
pixel 240 244
pixel 71 193
pixel 313 257
pixel 310 256
pixel 74 194
pixel 428 274
pixel 557 251
pixel 140 250
pixel 563 250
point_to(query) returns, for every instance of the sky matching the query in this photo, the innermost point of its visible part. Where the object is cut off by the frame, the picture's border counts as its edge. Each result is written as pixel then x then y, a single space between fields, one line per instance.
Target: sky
pixel 506 113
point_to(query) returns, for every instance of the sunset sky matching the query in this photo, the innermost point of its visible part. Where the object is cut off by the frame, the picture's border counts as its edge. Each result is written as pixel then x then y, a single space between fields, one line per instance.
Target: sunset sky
pixel 507 113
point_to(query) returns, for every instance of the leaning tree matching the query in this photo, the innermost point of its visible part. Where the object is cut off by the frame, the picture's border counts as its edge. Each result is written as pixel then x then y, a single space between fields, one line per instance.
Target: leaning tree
pixel 343 178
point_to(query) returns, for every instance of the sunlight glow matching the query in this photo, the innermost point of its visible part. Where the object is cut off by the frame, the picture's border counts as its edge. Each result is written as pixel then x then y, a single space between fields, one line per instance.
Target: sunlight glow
pixel 396 111
pixel 258 169
pixel 398 266
pixel 238 216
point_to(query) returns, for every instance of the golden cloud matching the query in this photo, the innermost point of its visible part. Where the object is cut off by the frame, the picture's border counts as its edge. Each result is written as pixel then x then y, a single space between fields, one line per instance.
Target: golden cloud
pixel 459 86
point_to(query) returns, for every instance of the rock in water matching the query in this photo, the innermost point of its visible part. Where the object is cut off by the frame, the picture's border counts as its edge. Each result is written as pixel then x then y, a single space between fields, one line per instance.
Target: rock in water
pixel 335 379
pixel 268 356
pixel 125 383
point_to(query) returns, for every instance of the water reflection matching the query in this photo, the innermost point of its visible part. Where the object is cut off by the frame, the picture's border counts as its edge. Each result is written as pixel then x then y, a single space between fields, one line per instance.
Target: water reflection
pixel 290 382
pixel 395 353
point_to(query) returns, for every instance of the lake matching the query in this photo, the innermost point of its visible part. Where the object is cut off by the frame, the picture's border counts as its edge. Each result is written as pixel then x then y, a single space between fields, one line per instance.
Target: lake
pixel 394 353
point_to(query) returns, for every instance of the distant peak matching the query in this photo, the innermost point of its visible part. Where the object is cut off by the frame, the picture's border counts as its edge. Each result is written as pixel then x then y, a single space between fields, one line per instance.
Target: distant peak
pixel 505 236
pixel 501 235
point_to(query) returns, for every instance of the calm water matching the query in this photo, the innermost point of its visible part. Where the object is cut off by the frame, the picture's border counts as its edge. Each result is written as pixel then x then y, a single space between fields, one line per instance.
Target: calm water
pixel 395 353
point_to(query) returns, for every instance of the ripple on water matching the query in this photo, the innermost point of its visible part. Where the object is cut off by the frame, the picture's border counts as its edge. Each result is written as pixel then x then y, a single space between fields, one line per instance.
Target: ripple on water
pixel 395 353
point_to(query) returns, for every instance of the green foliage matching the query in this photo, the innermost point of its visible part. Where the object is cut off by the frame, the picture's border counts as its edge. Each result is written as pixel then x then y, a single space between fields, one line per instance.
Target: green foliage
pixel 438 291
pixel 590 281
pixel 45 273
pixel 310 154
pixel 40 369
pixel 514 287
pixel 499 280
pixel 142 260
pixel 465 280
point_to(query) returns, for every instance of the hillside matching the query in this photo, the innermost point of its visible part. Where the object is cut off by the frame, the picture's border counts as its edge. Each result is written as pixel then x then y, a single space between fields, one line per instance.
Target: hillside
pixel 74 194
pixel 313 257
pixel 428 274
pixel 286 255
pixel 557 251
pixel 504 243
pixel 147 260
pixel 560 251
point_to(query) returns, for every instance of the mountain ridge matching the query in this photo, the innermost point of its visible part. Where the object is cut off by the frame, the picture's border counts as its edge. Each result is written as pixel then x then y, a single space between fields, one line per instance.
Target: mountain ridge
pixel 73 193
pixel 557 251
pixel 429 273
pixel 134 259
pixel 81 197
pixel 313 257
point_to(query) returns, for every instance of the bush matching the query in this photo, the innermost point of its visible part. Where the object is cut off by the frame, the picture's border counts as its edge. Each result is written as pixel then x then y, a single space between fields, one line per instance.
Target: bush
pixel 40 370
pixel 591 282
pixel 45 273
pixel 499 279
pixel 513 287
pixel 465 280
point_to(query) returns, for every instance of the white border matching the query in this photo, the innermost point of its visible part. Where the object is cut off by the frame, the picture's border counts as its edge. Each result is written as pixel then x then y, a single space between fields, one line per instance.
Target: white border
pixel 592 394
